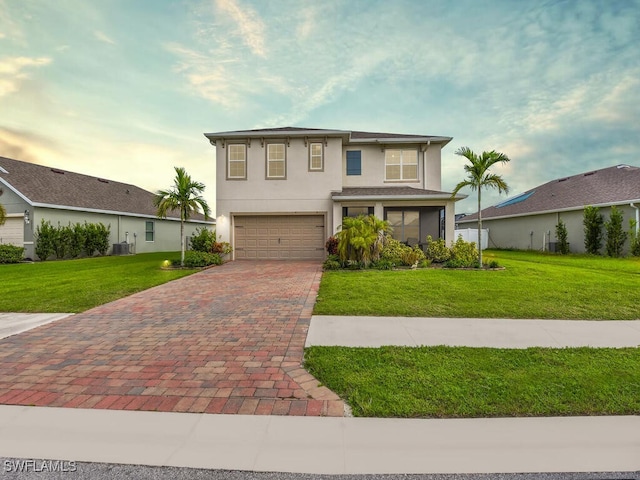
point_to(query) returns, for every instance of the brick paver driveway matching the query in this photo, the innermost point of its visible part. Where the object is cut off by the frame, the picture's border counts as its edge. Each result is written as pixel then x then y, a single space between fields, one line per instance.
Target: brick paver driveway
pixel 226 340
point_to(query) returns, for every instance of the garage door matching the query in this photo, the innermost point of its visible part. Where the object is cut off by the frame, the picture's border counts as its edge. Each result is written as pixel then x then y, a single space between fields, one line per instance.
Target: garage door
pixel 12 232
pixel 279 237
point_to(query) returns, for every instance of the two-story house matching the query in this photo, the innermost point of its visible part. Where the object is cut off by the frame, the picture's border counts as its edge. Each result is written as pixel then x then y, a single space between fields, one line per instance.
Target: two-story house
pixel 281 192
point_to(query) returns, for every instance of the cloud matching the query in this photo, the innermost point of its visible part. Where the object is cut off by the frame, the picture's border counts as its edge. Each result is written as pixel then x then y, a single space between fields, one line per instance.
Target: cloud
pixel 12 72
pixel 103 37
pixel 29 146
pixel 250 26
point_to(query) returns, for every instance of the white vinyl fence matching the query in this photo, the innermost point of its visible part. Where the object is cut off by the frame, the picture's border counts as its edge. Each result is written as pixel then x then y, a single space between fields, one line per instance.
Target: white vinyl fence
pixel 471 235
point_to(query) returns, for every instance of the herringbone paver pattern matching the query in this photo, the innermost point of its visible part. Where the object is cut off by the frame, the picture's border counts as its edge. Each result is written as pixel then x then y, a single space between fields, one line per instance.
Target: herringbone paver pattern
pixel 226 340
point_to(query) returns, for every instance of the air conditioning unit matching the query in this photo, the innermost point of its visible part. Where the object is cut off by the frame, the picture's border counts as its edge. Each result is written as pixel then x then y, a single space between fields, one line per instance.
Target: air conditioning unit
pixel 120 248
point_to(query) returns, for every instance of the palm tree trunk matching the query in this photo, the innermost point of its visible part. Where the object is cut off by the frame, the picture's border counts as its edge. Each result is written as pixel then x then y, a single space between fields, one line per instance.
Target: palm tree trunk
pixel 479 228
pixel 181 243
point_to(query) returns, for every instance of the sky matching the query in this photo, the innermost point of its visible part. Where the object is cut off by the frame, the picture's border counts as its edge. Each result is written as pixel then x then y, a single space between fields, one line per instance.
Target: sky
pixel 125 89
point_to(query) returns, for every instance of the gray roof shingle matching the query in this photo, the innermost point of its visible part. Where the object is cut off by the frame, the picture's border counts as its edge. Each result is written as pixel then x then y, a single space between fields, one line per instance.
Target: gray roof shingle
pixel 43 185
pixel 400 191
pixel 612 185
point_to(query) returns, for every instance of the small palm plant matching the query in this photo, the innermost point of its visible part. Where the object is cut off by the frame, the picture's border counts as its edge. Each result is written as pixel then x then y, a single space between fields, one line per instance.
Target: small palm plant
pixel 361 239
pixel 479 178
pixel 186 197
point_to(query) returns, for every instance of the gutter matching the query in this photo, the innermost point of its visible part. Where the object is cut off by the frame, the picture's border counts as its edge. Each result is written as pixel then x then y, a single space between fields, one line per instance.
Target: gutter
pixel 632 205
pixel 442 196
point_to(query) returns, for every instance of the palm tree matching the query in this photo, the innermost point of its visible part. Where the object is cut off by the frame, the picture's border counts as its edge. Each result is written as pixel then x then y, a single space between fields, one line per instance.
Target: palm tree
pixel 479 178
pixel 185 196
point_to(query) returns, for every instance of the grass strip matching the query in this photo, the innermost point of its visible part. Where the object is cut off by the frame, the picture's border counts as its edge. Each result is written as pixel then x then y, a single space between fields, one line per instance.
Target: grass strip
pixel 452 382
pixel 533 285
pixel 77 285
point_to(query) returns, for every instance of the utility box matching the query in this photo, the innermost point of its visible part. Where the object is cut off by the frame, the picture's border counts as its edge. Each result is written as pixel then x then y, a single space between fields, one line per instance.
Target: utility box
pixel 120 249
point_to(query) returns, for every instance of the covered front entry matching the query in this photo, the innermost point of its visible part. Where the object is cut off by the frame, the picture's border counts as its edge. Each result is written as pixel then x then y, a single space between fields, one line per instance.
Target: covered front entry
pixel 299 237
pixel 12 232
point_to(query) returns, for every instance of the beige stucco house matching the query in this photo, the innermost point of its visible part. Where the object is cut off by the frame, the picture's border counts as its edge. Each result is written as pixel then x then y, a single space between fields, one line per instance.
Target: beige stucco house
pixel 281 192
pixel 528 220
pixel 31 193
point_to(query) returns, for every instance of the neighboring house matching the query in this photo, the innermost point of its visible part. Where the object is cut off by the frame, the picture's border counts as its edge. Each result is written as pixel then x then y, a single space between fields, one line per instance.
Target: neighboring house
pixel 31 193
pixel 528 221
pixel 281 192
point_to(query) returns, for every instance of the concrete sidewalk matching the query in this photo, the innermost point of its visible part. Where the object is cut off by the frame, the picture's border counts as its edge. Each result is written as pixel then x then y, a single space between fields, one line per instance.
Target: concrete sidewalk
pixel 322 445
pixel 14 323
pixel 471 332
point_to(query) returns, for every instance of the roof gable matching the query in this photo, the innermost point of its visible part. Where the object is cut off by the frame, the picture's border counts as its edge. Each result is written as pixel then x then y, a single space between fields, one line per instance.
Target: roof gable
pixel 46 186
pixel 608 186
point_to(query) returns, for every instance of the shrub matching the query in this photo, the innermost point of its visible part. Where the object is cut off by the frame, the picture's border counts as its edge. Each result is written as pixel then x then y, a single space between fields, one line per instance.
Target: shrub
pixel 76 240
pixel 426 263
pixel 393 250
pixel 332 245
pixel 196 259
pixel 634 239
pixel 203 239
pixel 11 254
pixel 412 256
pixel 463 254
pixel 616 236
pixel 45 236
pixel 96 238
pixel 332 263
pixel 561 235
pixel 592 221
pixel 221 248
pixel 361 239
pixel 383 264
pixel 437 250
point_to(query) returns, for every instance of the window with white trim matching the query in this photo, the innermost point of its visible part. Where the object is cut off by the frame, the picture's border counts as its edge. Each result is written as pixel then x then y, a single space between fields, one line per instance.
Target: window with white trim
pixel 149 231
pixel 237 161
pixel 276 161
pixel 401 164
pixel 316 157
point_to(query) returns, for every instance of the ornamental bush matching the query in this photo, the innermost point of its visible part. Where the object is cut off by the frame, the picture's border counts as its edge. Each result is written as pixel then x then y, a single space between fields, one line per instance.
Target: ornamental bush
pixel 437 250
pixel 592 221
pixel 195 259
pixel 45 236
pixel 11 253
pixel 561 235
pixel 634 239
pixel 463 254
pixel 616 236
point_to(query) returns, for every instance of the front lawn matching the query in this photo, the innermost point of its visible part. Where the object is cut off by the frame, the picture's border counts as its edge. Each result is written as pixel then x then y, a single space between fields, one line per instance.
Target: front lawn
pixel 447 382
pixel 76 285
pixel 533 285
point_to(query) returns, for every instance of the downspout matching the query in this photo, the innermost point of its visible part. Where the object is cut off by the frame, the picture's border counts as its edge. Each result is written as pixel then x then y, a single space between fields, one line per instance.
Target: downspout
pixel 632 205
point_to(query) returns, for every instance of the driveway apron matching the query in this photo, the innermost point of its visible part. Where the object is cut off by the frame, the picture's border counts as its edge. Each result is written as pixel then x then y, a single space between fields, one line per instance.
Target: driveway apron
pixel 228 339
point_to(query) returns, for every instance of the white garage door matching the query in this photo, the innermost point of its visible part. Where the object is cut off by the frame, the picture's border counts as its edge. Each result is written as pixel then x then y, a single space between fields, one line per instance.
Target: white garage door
pixel 12 232
pixel 279 237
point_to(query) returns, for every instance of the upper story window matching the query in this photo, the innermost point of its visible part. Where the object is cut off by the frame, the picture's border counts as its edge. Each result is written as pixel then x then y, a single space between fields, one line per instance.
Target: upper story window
pixel 276 160
pixel 237 161
pixel 316 157
pixel 401 164
pixel 354 162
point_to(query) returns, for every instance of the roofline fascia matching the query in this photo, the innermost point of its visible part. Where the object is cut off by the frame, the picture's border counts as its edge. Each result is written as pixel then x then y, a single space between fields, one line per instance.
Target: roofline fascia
pixel 281 133
pixel 113 212
pixel 547 212
pixel 15 190
pixel 444 196
pixel 436 140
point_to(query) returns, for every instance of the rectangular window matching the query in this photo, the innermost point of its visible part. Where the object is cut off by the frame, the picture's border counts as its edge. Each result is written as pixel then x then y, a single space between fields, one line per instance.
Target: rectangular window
pixel 405 224
pixel 401 164
pixel 356 211
pixel 149 231
pixel 237 161
pixel 276 161
pixel 316 161
pixel 354 162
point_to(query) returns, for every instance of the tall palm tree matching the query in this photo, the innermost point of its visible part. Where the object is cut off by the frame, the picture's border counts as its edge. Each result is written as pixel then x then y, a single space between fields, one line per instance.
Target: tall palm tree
pixel 479 178
pixel 185 196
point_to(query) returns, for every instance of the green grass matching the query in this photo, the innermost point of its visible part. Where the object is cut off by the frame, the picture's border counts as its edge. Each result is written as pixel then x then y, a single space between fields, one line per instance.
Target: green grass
pixel 77 285
pixel 533 285
pixel 447 382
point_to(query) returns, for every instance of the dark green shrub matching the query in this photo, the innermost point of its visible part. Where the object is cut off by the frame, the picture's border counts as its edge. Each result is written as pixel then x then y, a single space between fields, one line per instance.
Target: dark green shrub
pixel 561 235
pixel 426 263
pixel 203 239
pixel 45 237
pixel 332 263
pixel 11 253
pixel 383 264
pixel 616 236
pixel 195 259
pixel 437 250
pixel 493 264
pixel 96 239
pixel 634 248
pixel 592 221
pixel 76 240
